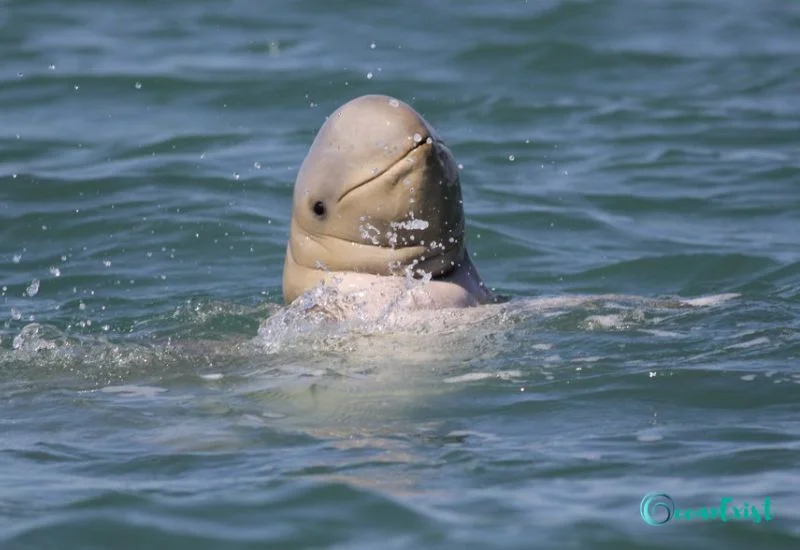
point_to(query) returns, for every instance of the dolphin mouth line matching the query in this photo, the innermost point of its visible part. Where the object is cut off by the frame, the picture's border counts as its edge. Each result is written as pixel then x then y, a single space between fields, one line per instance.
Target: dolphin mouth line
pixel 413 267
pixel 423 141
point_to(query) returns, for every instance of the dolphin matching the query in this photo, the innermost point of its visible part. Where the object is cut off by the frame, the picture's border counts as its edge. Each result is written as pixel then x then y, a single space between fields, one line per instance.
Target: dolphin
pixel 377 205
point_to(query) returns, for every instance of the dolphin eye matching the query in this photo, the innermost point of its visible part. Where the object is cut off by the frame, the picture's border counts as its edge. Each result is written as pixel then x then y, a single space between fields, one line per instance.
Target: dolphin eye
pixel 319 209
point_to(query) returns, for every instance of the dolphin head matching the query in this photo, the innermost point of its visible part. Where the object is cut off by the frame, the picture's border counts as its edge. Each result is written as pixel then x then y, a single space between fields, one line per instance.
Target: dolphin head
pixel 378 193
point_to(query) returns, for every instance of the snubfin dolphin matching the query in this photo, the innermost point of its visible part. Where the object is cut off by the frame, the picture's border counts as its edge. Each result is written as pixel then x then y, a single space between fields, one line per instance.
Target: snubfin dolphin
pixel 377 201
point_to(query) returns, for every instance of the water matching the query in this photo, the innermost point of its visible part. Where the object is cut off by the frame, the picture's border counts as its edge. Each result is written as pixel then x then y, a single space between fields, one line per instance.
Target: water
pixel 639 148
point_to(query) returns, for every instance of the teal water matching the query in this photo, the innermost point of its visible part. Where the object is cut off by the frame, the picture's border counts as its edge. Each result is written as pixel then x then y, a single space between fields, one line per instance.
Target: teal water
pixel 640 148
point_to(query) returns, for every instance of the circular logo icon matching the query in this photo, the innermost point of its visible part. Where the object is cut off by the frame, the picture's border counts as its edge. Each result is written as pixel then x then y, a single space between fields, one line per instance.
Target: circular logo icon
pixel 652 506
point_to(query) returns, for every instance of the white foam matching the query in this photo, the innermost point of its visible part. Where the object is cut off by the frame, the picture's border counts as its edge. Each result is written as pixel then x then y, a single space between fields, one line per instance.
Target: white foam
pixel 410 225
pixel 750 343
pixel 134 391
pixel 712 300
pixel 476 376
pixel 649 437
pixel 661 333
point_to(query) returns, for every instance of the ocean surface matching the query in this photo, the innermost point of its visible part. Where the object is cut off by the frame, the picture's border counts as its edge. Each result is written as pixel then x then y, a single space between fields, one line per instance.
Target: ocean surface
pixel 639 148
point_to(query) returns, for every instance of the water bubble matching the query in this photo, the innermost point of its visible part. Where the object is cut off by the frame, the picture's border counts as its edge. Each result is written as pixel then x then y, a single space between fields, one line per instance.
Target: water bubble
pixel 55 272
pixel 369 76
pixel 33 288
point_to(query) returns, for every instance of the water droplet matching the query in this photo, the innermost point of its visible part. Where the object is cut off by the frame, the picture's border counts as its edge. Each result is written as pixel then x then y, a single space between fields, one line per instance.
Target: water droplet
pixel 55 272
pixel 257 165
pixel 460 166
pixel 511 158
pixel 138 85
pixel 20 75
pixel 13 176
pixel 369 76
pixel 16 314
pixel 236 175
pixel 44 228
pixel 417 138
pixel 81 306
pixel 372 46
pixel 52 67
pixel 394 103
pixel 16 258
pixel 33 288
pixel 107 263
pixel 76 87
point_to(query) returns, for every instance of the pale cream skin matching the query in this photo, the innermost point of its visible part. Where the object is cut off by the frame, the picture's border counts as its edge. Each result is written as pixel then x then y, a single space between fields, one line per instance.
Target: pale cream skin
pixel 375 294
pixel 377 196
